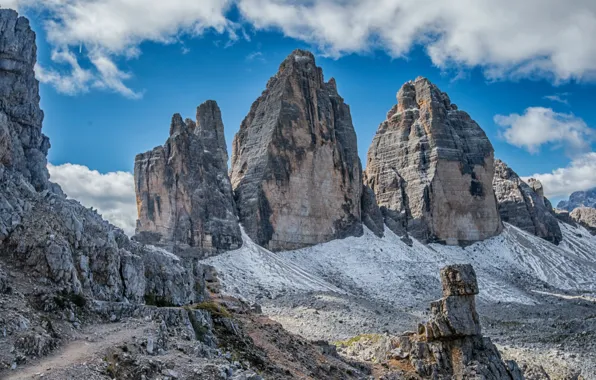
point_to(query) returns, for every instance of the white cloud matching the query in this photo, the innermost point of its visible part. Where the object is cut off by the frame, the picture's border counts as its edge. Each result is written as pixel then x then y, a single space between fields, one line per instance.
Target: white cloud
pixel 559 98
pixel 112 194
pixel 578 176
pixel 509 39
pixel 539 126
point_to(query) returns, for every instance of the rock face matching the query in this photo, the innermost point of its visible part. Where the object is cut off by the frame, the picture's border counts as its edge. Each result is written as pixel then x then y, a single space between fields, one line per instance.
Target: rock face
pixel 524 205
pixel 585 216
pixel 450 345
pixel 431 168
pixel 372 217
pixel 184 195
pixel 23 148
pixel 295 168
pixel 64 246
pixel 579 199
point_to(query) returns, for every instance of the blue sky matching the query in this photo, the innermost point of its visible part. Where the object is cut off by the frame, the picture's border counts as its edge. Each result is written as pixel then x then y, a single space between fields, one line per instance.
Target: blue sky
pixel 117 98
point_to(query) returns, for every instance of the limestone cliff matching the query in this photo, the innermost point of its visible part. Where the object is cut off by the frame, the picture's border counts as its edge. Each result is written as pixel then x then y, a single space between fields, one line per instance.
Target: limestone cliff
pixel 184 195
pixel 585 216
pixel 53 241
pixel 295 168
pixel 524 205
pixel 431 168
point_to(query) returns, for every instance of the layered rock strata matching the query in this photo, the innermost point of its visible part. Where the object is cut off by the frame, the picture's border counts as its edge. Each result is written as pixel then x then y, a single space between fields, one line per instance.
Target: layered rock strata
pixel 524 205
pixel 586 217
pixel 450 345
pixel 62 245
pixel 295 168
pixel 431 168
pixel 184 195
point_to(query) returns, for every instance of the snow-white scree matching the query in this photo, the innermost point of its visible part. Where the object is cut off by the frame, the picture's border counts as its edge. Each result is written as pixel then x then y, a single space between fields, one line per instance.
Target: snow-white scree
pixel 509 267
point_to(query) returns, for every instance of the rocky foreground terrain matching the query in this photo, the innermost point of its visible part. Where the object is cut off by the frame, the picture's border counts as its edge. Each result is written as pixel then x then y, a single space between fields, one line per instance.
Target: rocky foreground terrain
pixel 207 289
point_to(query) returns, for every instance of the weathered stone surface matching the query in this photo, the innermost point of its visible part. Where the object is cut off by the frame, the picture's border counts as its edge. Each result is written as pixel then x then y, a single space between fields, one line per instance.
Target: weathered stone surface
pixel 431 167
pixel 524 205
pixel 585 216
pixel 184 195
pixel 450 344
pixel 579 199
pixel 64 246
pixel 372 217
pixel 23 148
pixel 564 216
pixel 295 168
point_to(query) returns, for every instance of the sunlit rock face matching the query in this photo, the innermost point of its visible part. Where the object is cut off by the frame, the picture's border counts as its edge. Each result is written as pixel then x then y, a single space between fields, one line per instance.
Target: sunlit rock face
pixel 524 205
pixel 295 168
pixel 431 168
pixel 184 195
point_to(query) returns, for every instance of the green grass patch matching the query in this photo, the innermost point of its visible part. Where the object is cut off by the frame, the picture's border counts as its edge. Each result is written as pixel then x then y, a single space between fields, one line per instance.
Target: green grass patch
pixel 214 308
pixel 372 338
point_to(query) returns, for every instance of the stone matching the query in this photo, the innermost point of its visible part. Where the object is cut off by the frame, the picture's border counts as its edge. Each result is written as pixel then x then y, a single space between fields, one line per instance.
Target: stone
pixel 295 170
pixel 524 205
pixel 450 345
pixel 23 148
pixel 431 168
pixel 564 216
pixel 577 199
pixel 372 217
pixel 586 217
pixel 184 195
pixel 68 249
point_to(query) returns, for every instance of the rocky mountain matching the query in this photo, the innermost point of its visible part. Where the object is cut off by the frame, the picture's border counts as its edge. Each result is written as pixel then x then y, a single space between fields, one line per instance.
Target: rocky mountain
pixel 295 171
pixel 431 168
pixel 579 199
pixel 586 217
pixel 184 195
pixel 524 205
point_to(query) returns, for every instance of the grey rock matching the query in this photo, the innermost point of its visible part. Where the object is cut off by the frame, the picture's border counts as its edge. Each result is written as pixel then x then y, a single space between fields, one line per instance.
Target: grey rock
pixel 295 168
pixel 579 199
pixel 564 216
pixel 524 205
pixel 372 217
pixel 185 197
pixel 431 168
pixel 459 280
pixel 586 217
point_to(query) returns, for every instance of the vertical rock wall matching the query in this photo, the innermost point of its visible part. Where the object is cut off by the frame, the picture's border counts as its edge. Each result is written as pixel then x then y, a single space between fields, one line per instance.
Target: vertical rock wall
pixel 295 168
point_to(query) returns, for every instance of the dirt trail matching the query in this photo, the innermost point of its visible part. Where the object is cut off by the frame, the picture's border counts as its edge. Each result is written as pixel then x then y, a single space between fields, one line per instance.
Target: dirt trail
pixel 95 340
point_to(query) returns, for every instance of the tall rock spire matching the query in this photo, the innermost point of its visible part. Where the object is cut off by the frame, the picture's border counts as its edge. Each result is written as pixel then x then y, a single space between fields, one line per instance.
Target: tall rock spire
pixel 295 168
pixel 184 196
pixel 431 168
pixel 23 148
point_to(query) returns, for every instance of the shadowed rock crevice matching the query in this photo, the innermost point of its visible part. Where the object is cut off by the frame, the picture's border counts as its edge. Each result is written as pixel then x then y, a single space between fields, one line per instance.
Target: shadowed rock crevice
pixel 295 168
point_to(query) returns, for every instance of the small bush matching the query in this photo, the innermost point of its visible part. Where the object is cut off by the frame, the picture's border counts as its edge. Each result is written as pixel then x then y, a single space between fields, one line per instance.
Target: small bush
pixel 159 301
pixel 214 308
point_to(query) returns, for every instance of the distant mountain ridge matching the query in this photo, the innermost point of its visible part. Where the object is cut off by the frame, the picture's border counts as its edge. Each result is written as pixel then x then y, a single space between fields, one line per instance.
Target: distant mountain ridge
pixel 585 198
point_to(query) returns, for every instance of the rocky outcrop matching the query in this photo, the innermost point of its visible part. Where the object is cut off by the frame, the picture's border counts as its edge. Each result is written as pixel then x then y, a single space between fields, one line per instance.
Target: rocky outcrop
pixel 372 217
pixel 431 168
pixel 23 148
pixel 450 345
pixel 295 168
pixel 524 205
pixel 55 241
pixel 184 195
pixel 579 199
pixel 586 217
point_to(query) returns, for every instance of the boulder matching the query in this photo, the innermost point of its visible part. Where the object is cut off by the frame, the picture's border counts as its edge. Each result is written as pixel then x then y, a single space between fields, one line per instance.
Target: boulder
pixel 524 205
pixel 295 172
pixel 431 168
pixel 184 195
pixel 586 217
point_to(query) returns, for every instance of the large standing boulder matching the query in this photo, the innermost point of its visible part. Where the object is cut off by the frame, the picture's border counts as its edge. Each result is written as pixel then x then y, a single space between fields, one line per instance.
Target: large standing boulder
pixel 431 167
pixel 184 195
pixel 524 205
pixel 295 168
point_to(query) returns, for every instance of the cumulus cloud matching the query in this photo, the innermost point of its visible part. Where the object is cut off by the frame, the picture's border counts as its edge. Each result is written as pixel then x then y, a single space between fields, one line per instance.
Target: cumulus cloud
pixel 539 126
pixel 507 38
pixel 579 175
pixel 112 194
